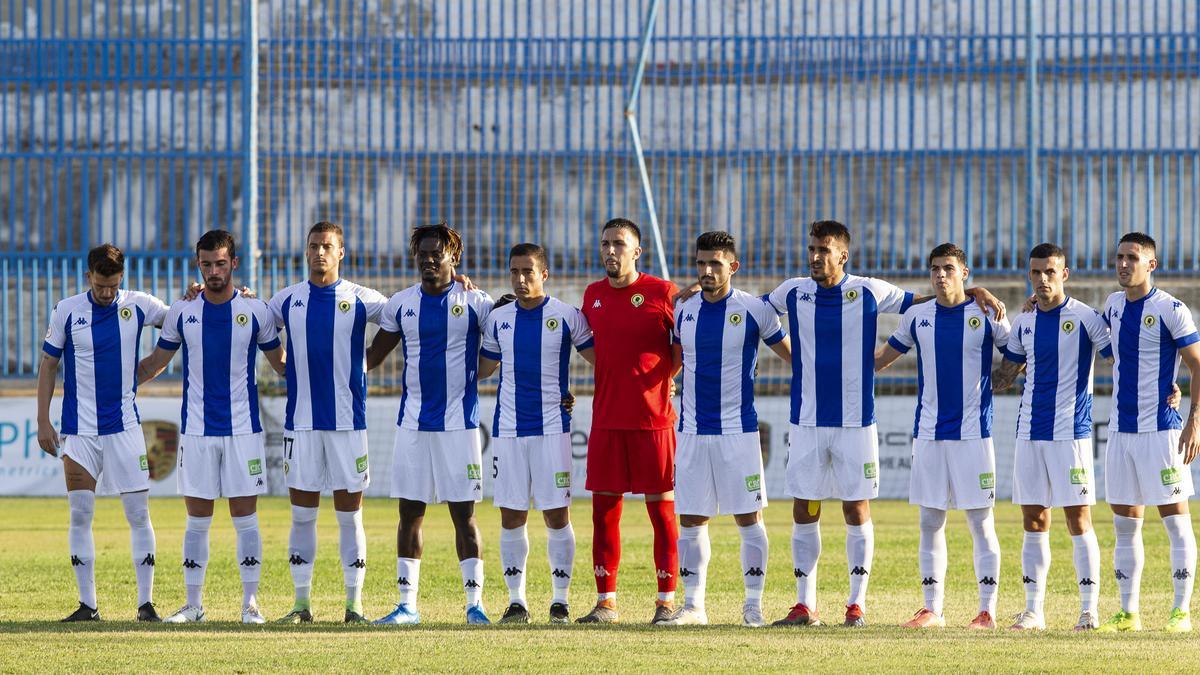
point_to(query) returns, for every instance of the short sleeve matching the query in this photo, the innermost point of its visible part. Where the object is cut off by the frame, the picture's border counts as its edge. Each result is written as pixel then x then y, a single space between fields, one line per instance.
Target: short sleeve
pixel 1179 323
pixel 889 299
pixel 482 303
pixel 374 302
pixel 777 299
pixel 276 305
pixel 769 328
pixel 268 333
pixel 903 340
pixel 1001 331
pixel 491 343
pixel 1015 351
pixel 581 331
pixel 1098 331
pixel 387 318
pixel 171 337
pixel 154 309
pixel 56 333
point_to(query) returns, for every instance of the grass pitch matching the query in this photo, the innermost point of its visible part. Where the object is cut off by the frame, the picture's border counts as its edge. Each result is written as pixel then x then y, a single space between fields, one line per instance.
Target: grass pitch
pixel 37 588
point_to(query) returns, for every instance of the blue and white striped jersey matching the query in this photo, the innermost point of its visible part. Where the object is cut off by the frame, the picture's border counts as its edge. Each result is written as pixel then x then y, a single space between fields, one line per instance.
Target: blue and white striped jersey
pixel 833 333
pixel 533 347
pixel 720 357
pixel 99 350
pixel 1058 348
pixel 440 337
pixel 1146 338
pixel 326 353
pixel 954 368
pixel 220 392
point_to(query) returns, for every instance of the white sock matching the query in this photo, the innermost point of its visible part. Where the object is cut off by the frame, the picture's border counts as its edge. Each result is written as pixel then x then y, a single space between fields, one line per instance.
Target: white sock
pixel 514 554
pixel 560 549
pixel 472 576
pixel 1128 559
pixel 195 558
pixel 408 578
pixel 806 551
pixel 694 553
pixel 352 545
pixel 1087 569
pixel 249 555
pixel 860 551
pixel 931 556
pixel 141 541
pixel 1183 557
pixel 1035 566
pixel 987 556
pixel 755 548
pixel 302 551
pixel 81 544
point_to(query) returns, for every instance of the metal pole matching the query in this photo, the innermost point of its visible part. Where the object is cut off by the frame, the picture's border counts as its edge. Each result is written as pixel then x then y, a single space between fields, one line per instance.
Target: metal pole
pixel 250 144
pixel 1033 219
pixel 635 88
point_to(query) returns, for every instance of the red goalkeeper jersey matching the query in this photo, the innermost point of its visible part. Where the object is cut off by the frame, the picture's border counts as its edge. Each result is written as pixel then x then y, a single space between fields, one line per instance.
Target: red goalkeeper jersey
pixel 632 329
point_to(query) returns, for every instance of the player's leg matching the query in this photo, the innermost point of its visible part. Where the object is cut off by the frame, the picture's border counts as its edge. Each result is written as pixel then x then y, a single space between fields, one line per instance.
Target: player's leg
pixel 412 486
pixel 695 551
pixel 1124 494
pixel 753 552
pixel 550 465
pixel 652 460
pixel 511 494
pixel 1086 556
pixel 127 469
pixel 929 488
pixel 304 469
pixel 81 499
pixel 470 561
pixel 352 549
pixel 737 479
pixel 242 481
pixel 973 484
pixel 808 481
pixel 607 479
pixel 560 549
pixel 457 459
pixel 696 502
pixel 1069 468
pixel 1175 487
pixel 195 554
pixel 1032 491
pixel 854 463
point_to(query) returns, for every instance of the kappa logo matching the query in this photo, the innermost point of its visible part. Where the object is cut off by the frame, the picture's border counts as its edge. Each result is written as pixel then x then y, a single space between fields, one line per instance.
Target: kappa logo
pixel 596 304
pixel 148 561
pixel 1176 492
pixel 1086 581
pixel 754 572
pixel 663 574
pixel 688 318
pixel 1177 304
pixel 512 571
pixel 471 583
pixel 799 573
pixel 1083 491
pixel 560 574
pixel 685 572
pixel 75 561
pixel 924 324
pixel 506 326
pixel 359 564
pixel 409 312
pixel 192 319
pixel 1028 580
pixel 929 581
pixel 297 560
pixel 81 321
pixel 1027 331
pixel 402 581
pixel 250 561
pixel 298 303
pixel 1182 574
pixel 859 572
pixel 987 581
pixel 600 571
pixel 805 297
pixel 1120 575
pixel 190 564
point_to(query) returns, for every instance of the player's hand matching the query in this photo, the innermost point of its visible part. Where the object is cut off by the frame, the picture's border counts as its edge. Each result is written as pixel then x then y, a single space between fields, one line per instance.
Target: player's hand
pixel 1176 397
pixel 247 293
pixel 48 438
pixel 1030 303
pixel 672 391
pixel 568 402
pixel 1188 443
pixel 193 291
pixel 466 282
pixel 685 293
pixel 506 299
pixel 990 303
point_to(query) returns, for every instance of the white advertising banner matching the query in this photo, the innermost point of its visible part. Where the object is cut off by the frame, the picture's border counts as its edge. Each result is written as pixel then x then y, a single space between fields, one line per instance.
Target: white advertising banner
pixel 25 470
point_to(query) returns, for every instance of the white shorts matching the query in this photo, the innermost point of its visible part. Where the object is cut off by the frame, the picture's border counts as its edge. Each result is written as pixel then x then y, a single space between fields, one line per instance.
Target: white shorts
pixel 118 461
pixel 437 466
pixel 532 467
pixel 1054 473
pixel 833 463
pixel 719 474
pixel 316 461
pixel 1146 469
pixel 953 474
pixel 222 466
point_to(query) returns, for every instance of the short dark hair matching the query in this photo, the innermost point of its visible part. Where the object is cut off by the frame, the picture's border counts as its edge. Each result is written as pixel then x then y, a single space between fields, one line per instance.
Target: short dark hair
pixel 326 226
pixel 215 240
pixel 830 228
pixel 1047 250
pixel 623 224
pixel 106 260
pixel 717 241
pixel 948 250
pixel 451 239
pixel 1141 239
pixel 538 253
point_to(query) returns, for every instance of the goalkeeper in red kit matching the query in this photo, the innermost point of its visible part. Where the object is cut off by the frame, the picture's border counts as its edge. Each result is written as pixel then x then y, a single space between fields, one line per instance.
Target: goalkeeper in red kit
pixel 632 442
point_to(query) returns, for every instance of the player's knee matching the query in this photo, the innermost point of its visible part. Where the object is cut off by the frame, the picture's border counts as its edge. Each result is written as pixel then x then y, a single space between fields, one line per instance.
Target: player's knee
pixel 137 508
pixel 932 519
pixel 83 507
pixel 557 519
pixel 511 519
pixel 856 512
pixel 980 521
pixel 1036 520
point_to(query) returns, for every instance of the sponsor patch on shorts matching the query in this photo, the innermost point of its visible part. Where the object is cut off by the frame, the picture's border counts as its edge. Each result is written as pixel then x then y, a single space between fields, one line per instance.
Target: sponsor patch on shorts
pixel 562 479
pixel 144 463
pixel 1170 476
pixel 754 483
pixel 987 481
pixel 474 472
pixel 870 470
pixel 361 464
pixel 1079 477
pixel 255 466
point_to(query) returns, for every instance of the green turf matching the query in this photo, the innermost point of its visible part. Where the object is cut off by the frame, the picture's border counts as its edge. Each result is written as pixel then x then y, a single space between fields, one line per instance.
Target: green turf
pixel 37 588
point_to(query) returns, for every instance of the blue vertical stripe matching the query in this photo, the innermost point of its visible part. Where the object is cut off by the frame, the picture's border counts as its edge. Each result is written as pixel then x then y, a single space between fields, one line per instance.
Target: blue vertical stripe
pixel 564 376
pixel 216 338
pixel 985 380
pixel 434 329
pixel 70 407
pixel 870 314
pixel 358 376
pixel 106 350
pixel 948 338
pixel 1045 374
pixel 710 329
pixel 187 376
pixel 318 330
pixel 1129 335
pixel 251 379
pixel 1168 417
pixel 1083 397
pixel 912 330
pixel 797 356
pixel 827 334
pixel 749 362
pixel 289 370
pixel 527 370
pixel 470 402
pixel 403 371
pixel 499 385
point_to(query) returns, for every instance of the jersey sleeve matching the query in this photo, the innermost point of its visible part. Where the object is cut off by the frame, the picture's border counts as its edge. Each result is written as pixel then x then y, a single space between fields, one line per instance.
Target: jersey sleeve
pixel 482 303
pixel 1097 328
pixel 903 339
pixel 1181 325
pixel 769 327
pixel 777 299
pixel 889 298
pixel 1001 331
pixel 268 333
pixel 374 301
pixel 154 309
pixel 170 338
pixel 387 318
pixel 1015 350
pixel 276 306
pixel 675 327
pixel 490 348
pixel 56 333
pixel 581 331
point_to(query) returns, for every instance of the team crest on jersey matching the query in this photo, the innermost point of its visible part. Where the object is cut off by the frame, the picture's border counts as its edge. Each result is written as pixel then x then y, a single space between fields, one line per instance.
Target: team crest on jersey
pixel 637 299
pixel 974 322
pixel 1149 321
pixel 735 319
pixel 1068 327
pixel 344 306
pixel 126 313
pixel 457 310
pixel 552 324
pixel 241 319
pixel 852 295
